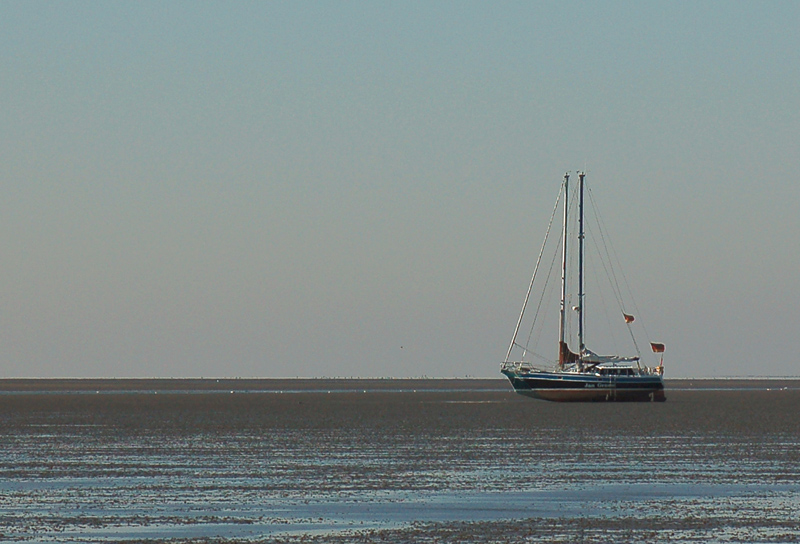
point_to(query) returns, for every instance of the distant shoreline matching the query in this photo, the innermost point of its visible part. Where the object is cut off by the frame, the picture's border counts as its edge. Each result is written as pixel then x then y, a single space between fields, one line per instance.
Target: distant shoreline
pixel 55 385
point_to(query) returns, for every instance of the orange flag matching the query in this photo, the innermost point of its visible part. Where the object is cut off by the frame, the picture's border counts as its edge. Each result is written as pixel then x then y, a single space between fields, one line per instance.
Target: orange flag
pixel 657 348
pixel 628 318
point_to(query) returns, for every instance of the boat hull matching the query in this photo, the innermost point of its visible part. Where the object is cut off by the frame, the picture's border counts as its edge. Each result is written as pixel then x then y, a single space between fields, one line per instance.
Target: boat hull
pixel 576 387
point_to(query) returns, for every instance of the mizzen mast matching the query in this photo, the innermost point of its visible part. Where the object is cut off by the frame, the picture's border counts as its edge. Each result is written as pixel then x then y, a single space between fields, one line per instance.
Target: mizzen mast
pixel 562 340
pixel 581 236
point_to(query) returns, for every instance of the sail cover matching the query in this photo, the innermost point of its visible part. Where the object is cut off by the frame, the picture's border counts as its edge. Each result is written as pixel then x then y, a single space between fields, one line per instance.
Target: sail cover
pixel 591 357
pixel 566 355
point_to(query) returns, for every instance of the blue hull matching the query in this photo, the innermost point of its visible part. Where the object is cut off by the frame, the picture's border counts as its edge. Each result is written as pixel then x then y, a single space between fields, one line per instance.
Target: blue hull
pixel 577 387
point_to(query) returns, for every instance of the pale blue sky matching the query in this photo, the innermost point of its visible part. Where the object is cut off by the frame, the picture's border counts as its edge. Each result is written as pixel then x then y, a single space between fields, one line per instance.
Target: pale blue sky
pixel 301 188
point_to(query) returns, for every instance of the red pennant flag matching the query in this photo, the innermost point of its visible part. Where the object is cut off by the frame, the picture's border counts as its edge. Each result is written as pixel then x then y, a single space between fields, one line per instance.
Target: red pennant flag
pixel 657 348
pixel 628 318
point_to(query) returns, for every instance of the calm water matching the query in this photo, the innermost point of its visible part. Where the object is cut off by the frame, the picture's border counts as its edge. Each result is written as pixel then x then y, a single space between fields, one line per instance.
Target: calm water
pixel 432 465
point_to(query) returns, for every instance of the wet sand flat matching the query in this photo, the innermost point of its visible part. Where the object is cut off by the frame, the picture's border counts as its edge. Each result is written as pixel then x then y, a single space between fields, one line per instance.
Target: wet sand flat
pixel 394 461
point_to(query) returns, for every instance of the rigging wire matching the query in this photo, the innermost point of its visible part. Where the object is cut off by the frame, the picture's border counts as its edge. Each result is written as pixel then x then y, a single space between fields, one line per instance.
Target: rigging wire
pixel 615 286
pixel 545 291
pixel 611 274
pixel 535 354
pixel 533 277
pixel 605 261
pixel 600 293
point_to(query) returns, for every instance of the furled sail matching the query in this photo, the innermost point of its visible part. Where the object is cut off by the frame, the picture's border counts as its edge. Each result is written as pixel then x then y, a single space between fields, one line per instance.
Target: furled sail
pixel 565 355
pixel 591 357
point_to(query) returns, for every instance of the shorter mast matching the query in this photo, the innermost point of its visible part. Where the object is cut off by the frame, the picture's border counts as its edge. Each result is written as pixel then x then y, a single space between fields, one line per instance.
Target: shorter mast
pixel 563 322
pixel 581 235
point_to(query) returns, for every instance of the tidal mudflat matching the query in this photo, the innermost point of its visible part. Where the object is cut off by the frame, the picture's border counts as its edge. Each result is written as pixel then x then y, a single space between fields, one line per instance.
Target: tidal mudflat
pixel 394 461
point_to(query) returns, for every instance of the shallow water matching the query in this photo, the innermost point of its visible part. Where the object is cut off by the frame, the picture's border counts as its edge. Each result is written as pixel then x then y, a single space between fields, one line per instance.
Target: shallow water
pixel 438 465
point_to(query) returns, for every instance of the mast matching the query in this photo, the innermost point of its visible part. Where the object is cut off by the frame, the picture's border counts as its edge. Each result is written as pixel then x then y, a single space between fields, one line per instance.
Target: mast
pixel 562 323
pixel 581 346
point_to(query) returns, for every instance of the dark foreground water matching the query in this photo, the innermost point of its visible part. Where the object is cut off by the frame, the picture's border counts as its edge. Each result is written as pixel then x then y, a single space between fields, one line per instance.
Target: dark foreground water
pixel 395 462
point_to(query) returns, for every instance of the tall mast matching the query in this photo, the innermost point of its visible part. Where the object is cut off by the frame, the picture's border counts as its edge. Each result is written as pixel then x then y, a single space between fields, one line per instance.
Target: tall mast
pixel 581 175
pixel 562 323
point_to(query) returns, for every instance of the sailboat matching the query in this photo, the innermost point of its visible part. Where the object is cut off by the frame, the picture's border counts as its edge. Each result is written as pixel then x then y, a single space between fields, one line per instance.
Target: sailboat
pixel 580 375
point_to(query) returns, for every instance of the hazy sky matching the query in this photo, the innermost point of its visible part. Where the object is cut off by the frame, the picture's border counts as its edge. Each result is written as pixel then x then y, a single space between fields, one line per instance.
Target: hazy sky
pixel 360 188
